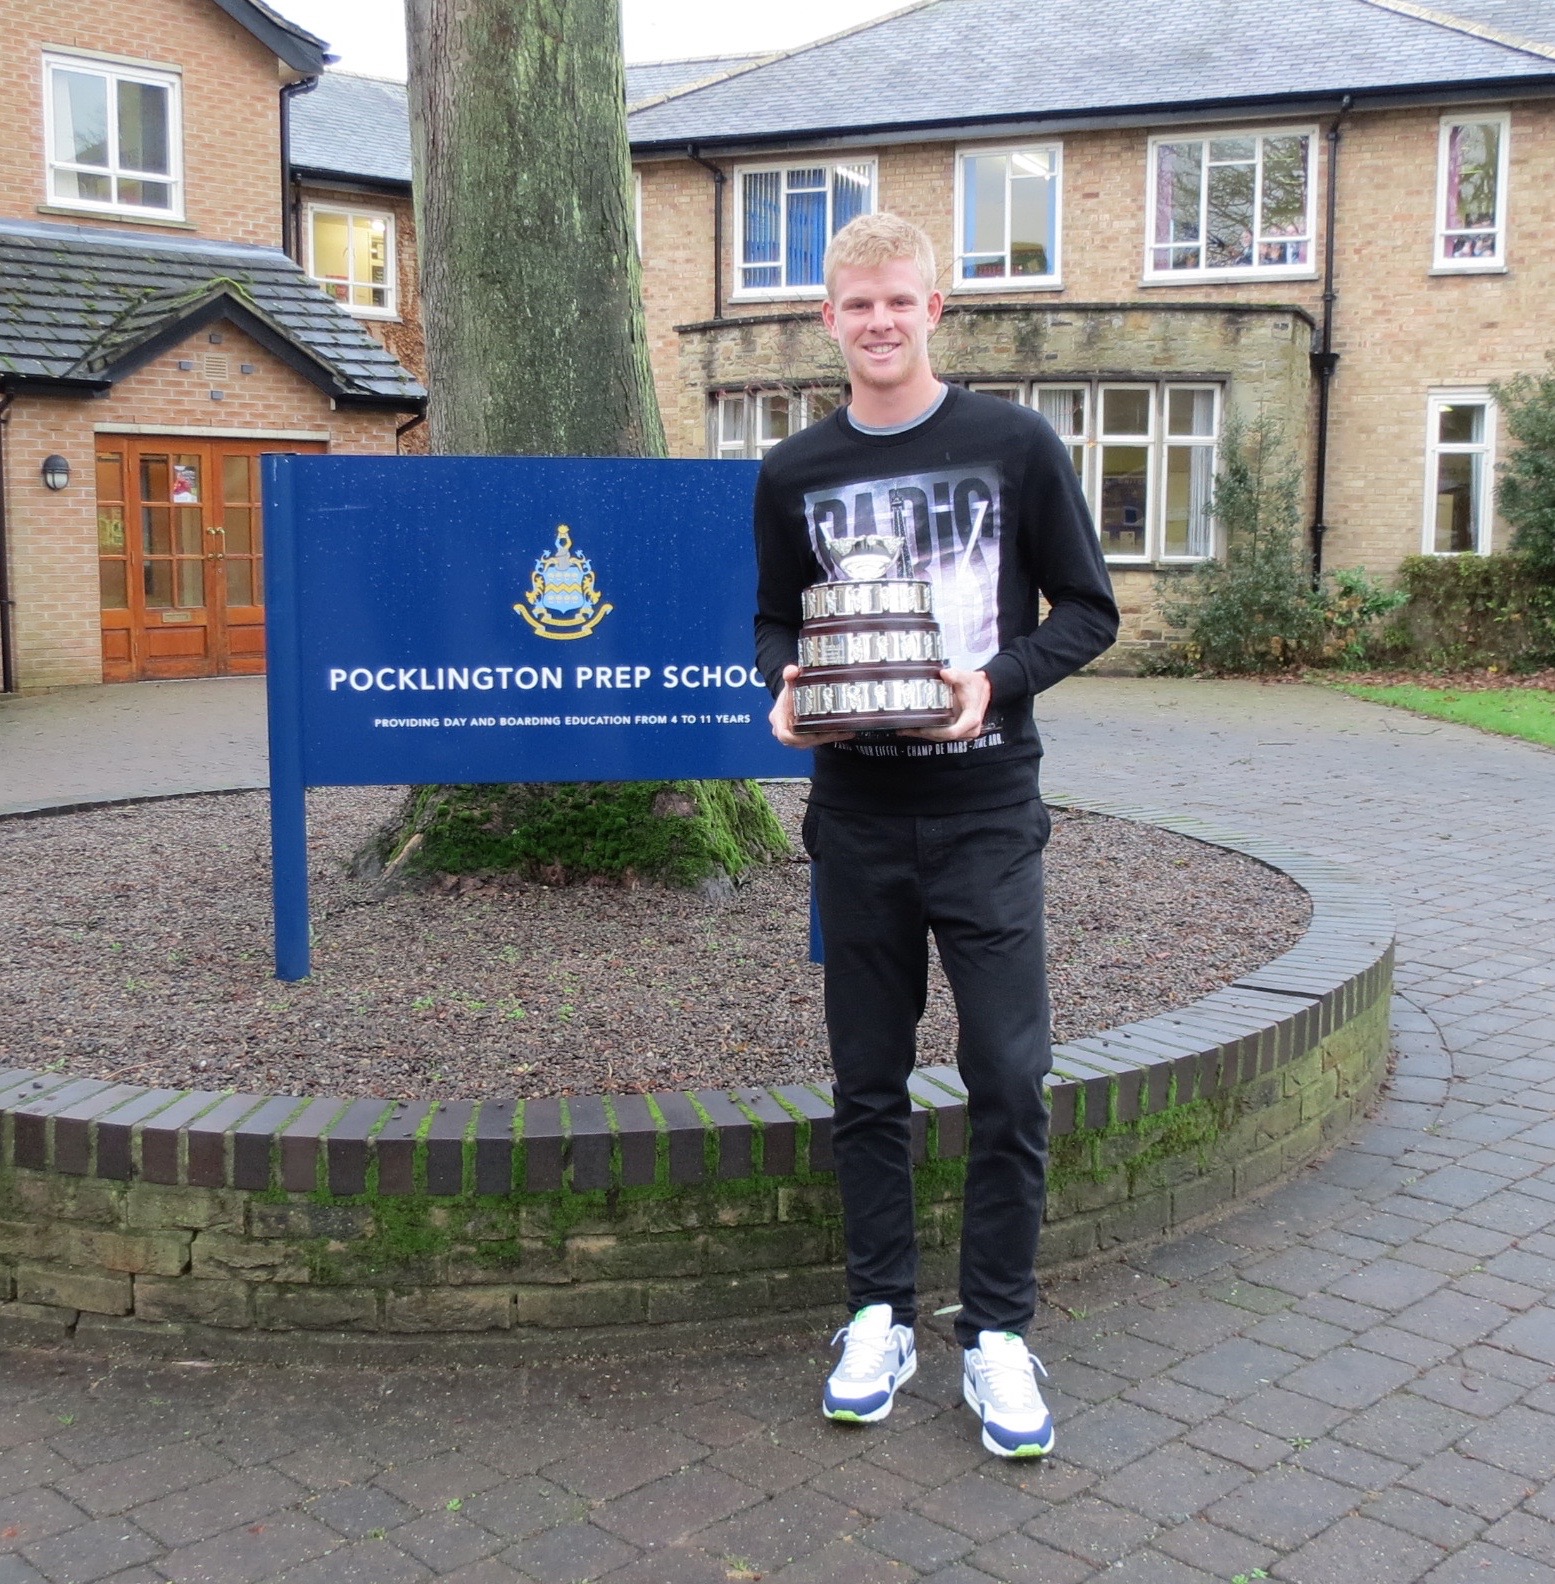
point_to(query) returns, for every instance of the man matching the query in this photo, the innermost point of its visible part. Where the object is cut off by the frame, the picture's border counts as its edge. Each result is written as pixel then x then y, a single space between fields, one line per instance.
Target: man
pixel 941 833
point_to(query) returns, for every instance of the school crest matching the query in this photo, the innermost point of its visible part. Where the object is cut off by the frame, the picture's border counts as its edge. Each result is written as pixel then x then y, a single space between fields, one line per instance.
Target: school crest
pixel 563 600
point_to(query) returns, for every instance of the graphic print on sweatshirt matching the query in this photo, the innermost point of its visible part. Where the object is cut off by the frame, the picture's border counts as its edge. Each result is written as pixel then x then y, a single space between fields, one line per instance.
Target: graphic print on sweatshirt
pixel 948 521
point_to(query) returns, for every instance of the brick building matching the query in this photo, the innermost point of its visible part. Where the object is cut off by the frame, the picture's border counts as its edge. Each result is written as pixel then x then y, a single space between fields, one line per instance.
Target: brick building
pixel 155 336
pixel 1146 219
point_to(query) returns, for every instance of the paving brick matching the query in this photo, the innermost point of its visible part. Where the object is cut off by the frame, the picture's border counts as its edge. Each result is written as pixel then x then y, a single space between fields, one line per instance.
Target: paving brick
pixel 1283 1507
pixel 358 1510
pixel 670 1509
pixel 1107 1437
pixel 1348 1378
pixel 1021 1560
pixel 93 1551
pixel 251 1552
pixel 116 1487
pixel 1359 1550
pixel 232 1499
pixel 1476 1563
pixel 977 1507
pixel 444 1540
pixel 1517 1440
pixel 624 1462
pixel 432 1483
pixel 368 1562
pixel 1096 1530
pixel 920 1543
pixel 569 1553
pixel 519 1508
pixel 1173 1483
pixel 845 1559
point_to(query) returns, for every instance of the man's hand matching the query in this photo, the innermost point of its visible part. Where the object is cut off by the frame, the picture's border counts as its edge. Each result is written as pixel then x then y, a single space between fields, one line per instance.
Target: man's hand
pixel 970 692
pixel 782 718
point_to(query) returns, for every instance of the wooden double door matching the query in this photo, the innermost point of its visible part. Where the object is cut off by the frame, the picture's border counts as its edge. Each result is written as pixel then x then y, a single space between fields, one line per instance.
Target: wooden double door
pixel 180 549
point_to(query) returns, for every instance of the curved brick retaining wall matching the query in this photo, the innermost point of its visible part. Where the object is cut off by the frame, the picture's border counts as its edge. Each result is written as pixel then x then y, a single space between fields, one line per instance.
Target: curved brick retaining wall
pixel 204 1220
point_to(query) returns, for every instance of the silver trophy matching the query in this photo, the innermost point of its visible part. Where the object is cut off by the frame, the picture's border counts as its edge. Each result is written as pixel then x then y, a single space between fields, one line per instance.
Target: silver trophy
pixel 870 650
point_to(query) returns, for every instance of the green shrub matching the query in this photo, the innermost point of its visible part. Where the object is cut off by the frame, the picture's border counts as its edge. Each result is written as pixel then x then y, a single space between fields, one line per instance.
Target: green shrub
pixel 1527 491
pixel 1466 611
pixel 677 831
pixel 1254 610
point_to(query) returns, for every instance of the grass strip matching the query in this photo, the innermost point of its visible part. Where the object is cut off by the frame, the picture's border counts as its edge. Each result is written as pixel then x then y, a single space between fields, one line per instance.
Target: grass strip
pixel 1528 713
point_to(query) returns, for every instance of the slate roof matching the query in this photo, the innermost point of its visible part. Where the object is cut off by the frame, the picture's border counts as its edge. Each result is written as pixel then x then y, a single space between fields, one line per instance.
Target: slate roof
pixel 1524 21
pixel 359 127
pixel 652 80
pixel 352 126
pixel 83 307
pixel 952 62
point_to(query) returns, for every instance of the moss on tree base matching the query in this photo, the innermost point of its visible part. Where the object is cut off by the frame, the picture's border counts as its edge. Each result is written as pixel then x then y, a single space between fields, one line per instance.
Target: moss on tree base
pixel 680 832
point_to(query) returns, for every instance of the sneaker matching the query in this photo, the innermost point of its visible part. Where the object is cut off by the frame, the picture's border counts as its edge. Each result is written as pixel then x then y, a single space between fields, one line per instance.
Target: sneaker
pixel 877 1357
pixel 999 1382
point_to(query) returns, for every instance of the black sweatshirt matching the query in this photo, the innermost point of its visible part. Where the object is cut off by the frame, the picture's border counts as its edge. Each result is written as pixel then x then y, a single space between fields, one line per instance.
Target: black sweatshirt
pixel 986 496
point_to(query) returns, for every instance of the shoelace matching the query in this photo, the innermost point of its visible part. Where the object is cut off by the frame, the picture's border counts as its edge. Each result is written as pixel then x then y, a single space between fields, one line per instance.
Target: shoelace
pixel 1008 1369
pixel 863 1353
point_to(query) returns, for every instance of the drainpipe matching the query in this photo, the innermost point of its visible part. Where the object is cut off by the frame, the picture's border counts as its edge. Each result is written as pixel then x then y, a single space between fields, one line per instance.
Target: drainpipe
pixel 1325 360
pixel 7 657
pixel 404 429
pixel 290 242
pixel 719 178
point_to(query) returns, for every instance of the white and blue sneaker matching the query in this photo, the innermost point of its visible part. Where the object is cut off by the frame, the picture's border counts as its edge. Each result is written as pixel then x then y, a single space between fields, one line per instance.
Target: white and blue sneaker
pixel 999 1382
pixel 877 1357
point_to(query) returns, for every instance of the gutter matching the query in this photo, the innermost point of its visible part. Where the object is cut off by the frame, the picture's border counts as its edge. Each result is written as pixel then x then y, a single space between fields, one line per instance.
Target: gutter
pixel 719 178
pixel 1325 360
pixel 7 605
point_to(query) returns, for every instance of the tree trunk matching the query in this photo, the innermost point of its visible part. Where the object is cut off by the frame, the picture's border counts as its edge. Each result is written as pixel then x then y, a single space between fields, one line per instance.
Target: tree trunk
pixel 532 304
pixel 531 294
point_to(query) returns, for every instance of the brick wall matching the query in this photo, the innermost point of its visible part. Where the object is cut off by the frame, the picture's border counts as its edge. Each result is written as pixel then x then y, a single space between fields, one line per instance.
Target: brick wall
pixel 1401 331
pixel 53 537
pixel 230 106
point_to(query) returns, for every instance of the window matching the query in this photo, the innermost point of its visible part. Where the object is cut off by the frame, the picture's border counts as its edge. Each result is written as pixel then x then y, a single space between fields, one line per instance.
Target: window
pixel 1008 201
pixel 1471 193
pixel 351 255
pixel 113 137
pixel 787 215
pixel 1145 455
pixel 1230 205
pixel 749 423
pixel 1459 469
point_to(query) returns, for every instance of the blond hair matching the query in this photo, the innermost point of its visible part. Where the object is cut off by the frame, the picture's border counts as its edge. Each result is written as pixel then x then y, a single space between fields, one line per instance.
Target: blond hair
pixel 876 239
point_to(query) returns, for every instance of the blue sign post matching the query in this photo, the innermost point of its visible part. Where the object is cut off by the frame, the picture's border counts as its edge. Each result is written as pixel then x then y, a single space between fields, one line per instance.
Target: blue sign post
pixel 470 619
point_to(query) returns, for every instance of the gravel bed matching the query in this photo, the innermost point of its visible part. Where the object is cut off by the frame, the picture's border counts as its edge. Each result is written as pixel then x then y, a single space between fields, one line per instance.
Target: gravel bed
pixel 137 947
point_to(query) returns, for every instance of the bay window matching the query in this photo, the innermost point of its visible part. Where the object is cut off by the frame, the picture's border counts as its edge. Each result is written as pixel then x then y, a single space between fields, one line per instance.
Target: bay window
pixel 1471 192
pixel 113 137
pixel 1145 454
pixel 747 424
pixel 786 215
pixel 1236 203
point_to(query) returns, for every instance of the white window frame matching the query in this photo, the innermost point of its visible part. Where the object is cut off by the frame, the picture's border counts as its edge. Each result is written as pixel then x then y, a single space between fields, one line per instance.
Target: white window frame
pixel 1054 279
pixel 1169 442
pixel 741 293
pixel 1435 449
pixel 751 445
pixel 1443 263
pixel 1255 270
pixel 1097 443
pixel 115 72
pixel 390 254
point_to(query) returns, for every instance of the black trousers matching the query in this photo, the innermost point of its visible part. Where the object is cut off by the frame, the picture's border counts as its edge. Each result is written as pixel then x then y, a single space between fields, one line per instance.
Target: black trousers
pixel 883 882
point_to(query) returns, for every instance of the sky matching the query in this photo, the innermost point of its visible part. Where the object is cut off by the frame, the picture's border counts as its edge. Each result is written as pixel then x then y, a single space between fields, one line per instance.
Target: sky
pixel 369 35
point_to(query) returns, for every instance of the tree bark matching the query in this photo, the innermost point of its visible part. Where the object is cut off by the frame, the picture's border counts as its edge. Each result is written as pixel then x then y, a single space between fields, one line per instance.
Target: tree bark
pixel 531 294
pixel 536 345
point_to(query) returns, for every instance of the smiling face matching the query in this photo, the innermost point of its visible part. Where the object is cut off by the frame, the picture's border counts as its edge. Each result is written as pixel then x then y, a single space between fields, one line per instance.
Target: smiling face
pixel 880 316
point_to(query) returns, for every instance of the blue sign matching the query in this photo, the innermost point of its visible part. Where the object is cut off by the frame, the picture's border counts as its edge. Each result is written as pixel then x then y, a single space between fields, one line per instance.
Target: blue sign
pixel 465 619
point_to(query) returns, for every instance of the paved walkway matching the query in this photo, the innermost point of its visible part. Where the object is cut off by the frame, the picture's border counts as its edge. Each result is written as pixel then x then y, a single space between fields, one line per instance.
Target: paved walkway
pixel 154 739
pixel 1352 1379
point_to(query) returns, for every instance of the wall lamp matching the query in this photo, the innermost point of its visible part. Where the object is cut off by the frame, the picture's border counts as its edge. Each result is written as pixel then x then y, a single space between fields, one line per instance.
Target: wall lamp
pixel 56 472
